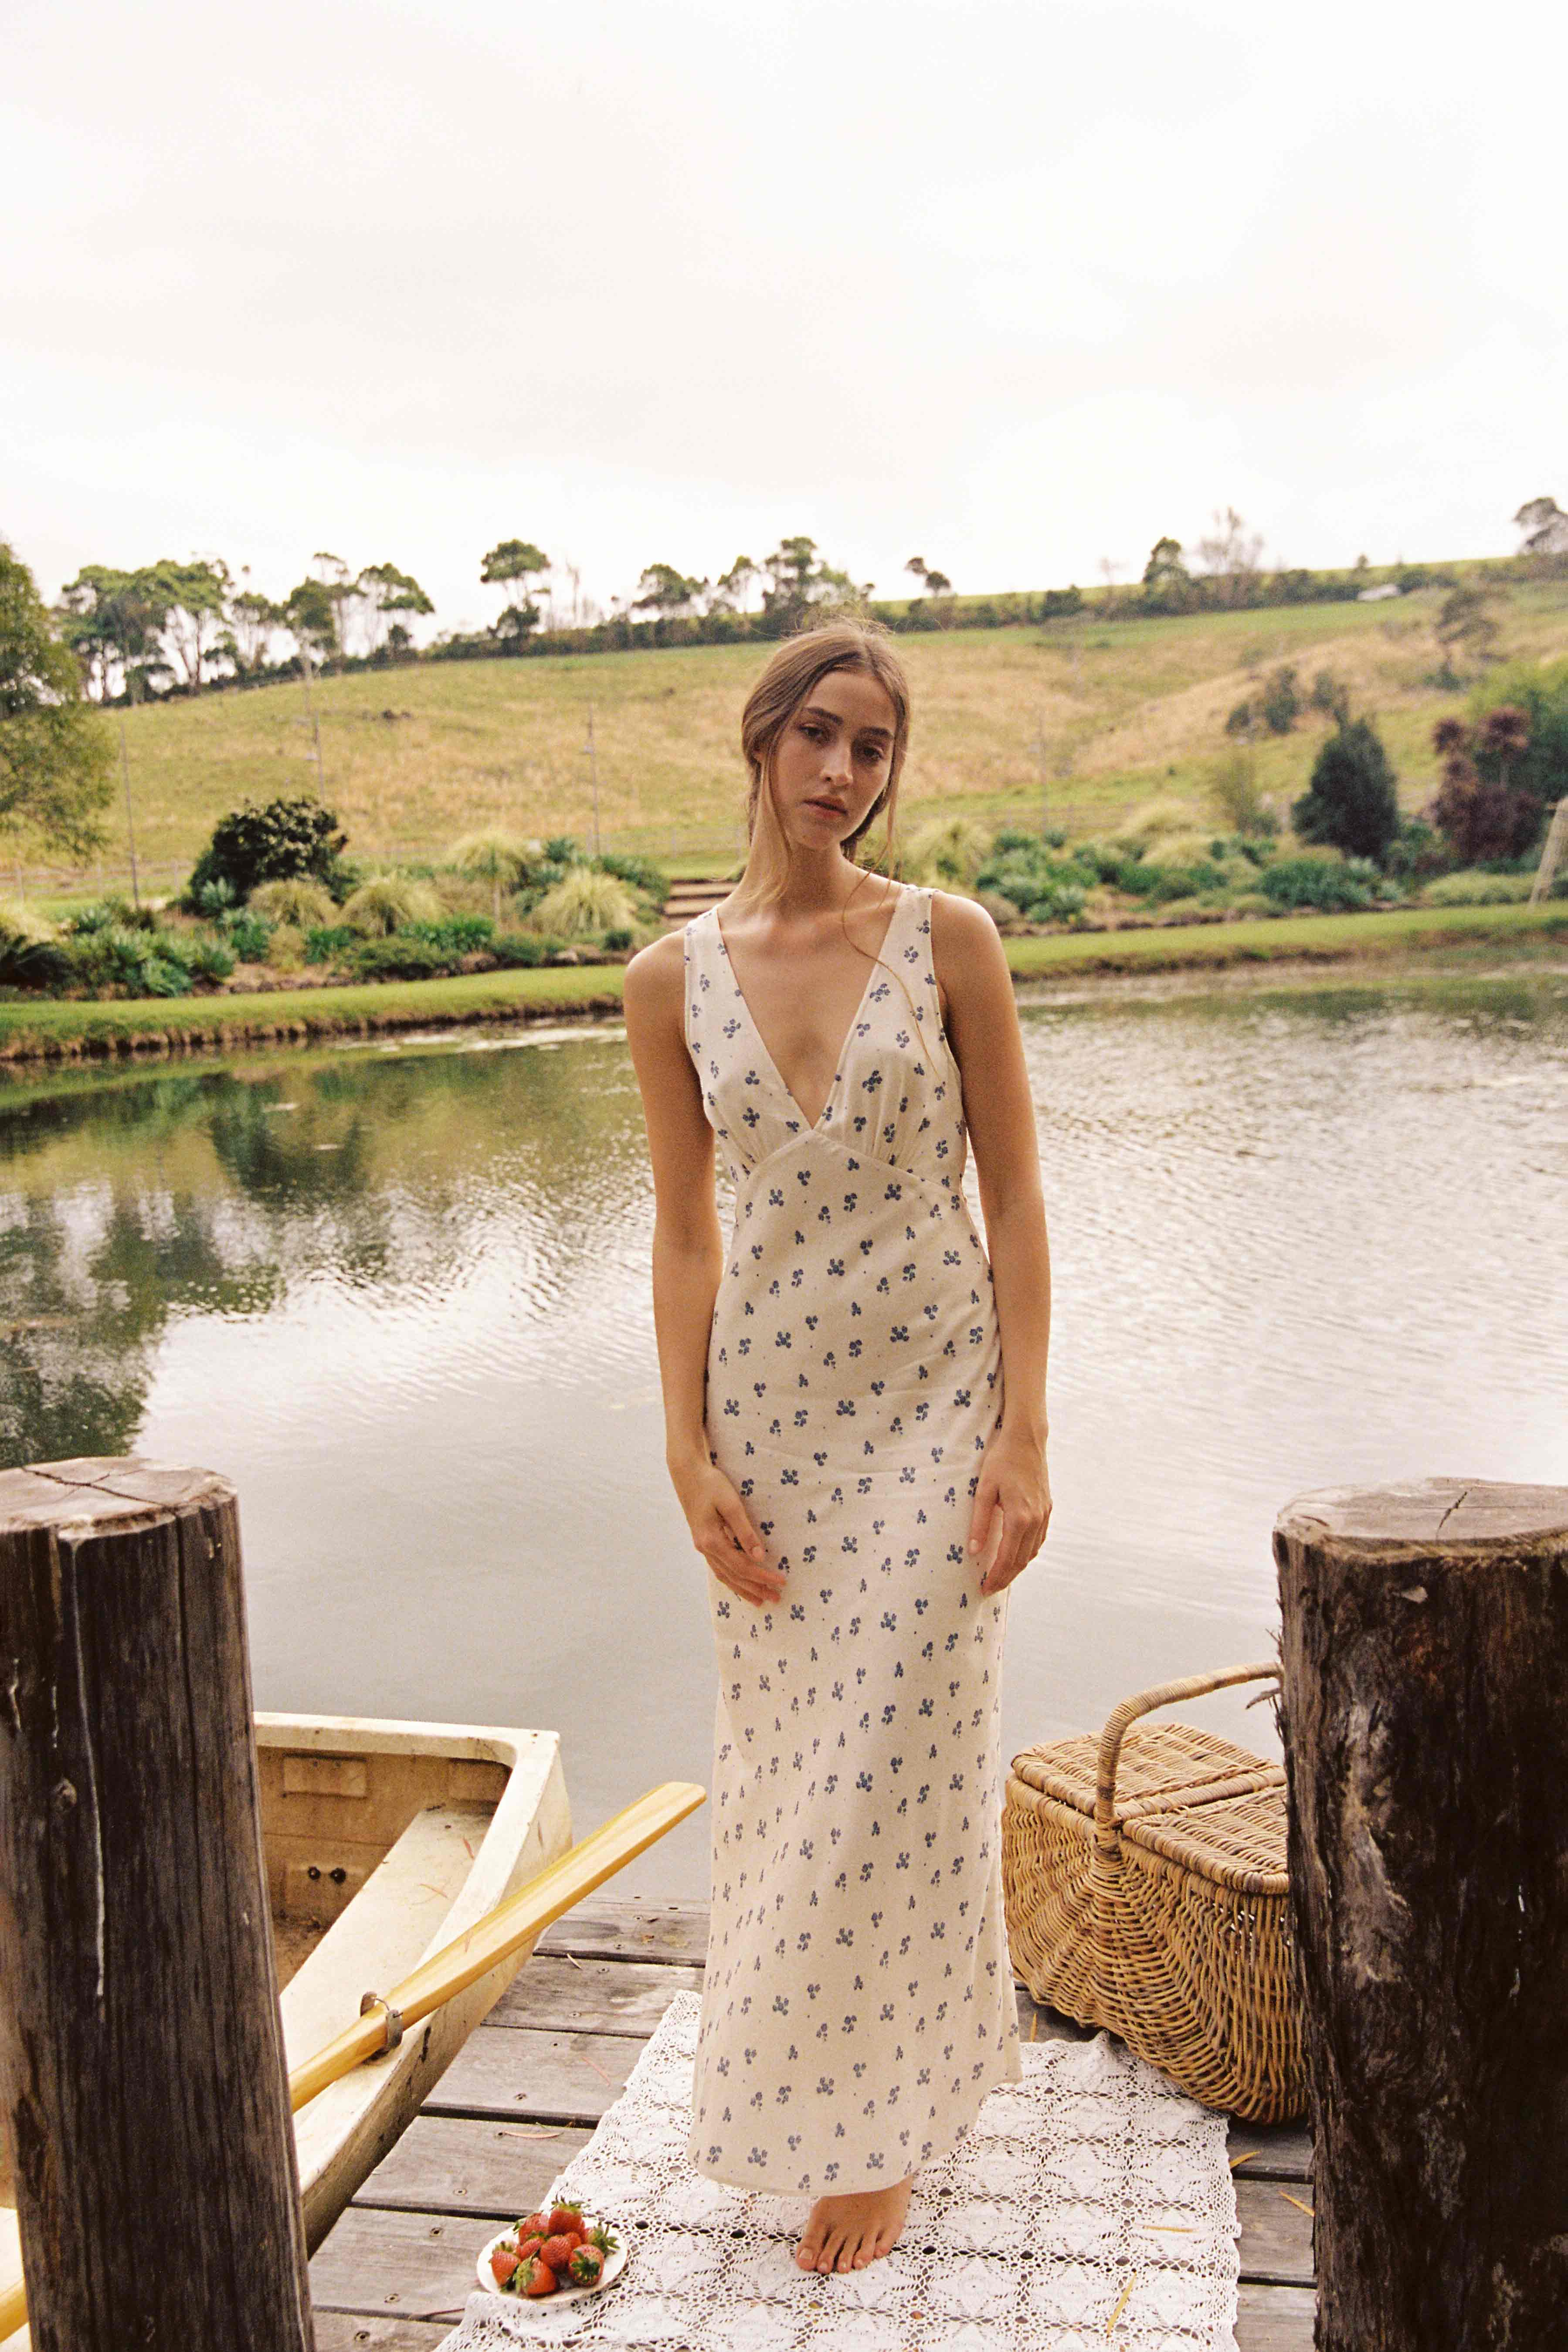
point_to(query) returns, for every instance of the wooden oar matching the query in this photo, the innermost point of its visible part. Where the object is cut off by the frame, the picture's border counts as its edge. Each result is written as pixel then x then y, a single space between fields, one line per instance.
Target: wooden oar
pixel 498 1935
pixel 487 1942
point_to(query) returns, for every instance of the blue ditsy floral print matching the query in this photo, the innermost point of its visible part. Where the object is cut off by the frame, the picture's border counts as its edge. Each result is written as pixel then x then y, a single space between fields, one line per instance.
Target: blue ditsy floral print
pixel 857 1988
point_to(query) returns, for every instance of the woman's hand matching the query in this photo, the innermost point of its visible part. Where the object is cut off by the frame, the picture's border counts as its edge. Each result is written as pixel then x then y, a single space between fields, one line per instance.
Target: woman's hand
pixel 1015 1492
pixel 723 1534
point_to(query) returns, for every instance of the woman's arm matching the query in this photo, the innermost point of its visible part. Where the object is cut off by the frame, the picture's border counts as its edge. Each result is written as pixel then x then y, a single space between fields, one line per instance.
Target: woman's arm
pixel 688 1266
pixel 982 1023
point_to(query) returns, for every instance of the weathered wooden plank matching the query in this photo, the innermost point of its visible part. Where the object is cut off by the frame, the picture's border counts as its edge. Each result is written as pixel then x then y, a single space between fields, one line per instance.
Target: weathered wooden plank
pixel 515 2072
pixel 420 2264
pixel 456 2164
pixel 1276 2243
pixel 1272 2318
pixel 1273 2151
pixel 559 1994
pixel 649 1932
pixel 352 2331
pixel 401 2265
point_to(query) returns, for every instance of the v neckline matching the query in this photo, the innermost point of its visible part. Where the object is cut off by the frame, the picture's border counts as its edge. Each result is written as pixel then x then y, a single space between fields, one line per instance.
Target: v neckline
pixel 810 1127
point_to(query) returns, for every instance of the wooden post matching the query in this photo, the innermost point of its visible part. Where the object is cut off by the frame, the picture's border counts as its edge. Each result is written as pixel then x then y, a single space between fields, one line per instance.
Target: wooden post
pixel 1425 1718
pixel 141 2058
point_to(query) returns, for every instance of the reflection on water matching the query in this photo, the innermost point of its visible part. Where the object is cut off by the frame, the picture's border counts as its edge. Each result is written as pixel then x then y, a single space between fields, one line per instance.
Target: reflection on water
pixel 400 1296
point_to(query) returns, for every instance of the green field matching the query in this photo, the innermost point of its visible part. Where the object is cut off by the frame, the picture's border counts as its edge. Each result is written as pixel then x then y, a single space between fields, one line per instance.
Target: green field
pixel 50 1028
pixel 1114 713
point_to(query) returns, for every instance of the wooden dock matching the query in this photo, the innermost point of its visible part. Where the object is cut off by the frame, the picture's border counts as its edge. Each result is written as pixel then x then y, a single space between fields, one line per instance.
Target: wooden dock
pixel 525 2092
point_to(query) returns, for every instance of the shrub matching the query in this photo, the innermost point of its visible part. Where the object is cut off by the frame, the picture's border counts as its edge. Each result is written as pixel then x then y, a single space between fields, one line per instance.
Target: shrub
pixel 248 935
pixel 210 960
pixel 328 941
pixel 400 957
pixel 644 874
pixel 296 899
pixel 31 953
pixel 950 851
pixel 1153 818
pixel 388 903
pixel 1470 888
pixel 1282 703
pixel 502 859
pixel 285 948
pixel 1327 885
pixel 292 834
pixel 516 948
pixel 585 902
pixel 616 941
pixel 112 961
pixel 455 935
pixel 1350 803
pixel 1233 786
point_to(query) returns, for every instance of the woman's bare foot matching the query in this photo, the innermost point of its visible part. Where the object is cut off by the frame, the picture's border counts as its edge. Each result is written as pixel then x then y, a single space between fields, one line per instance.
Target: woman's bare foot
pixel 845 2233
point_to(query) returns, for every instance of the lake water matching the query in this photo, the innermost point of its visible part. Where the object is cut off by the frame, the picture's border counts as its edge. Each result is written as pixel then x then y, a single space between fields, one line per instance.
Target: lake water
pixel 400 1296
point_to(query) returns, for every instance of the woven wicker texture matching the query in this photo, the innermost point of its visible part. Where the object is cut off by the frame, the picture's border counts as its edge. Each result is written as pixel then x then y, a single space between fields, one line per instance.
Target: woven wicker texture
pixel 1146 1892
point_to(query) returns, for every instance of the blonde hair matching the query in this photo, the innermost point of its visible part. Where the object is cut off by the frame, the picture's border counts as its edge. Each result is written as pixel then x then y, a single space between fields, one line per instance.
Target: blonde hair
pixel 788 679
pixel 785 685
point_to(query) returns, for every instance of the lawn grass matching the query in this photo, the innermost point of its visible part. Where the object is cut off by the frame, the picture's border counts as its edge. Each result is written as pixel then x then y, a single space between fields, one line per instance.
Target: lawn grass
pixel 51 1029
pixel 1112 712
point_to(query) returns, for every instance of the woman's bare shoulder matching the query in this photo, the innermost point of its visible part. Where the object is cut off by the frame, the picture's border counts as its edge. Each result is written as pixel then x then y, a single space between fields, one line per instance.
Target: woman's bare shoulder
pixel 654 982
pixel 962 931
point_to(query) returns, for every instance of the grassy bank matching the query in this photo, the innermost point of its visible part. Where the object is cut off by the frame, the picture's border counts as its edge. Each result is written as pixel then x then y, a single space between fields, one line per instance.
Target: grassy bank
pixel 1112 712
pixel 50 1029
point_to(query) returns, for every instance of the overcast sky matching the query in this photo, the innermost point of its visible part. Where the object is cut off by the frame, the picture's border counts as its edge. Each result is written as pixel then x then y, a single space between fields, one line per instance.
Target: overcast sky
pixel 1016 289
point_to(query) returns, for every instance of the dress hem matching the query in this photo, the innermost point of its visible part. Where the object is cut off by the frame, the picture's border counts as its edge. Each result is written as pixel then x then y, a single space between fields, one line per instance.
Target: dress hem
pixel 939 2152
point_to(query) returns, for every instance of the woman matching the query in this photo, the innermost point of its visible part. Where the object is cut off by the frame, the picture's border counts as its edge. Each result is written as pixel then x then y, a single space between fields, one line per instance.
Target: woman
pixel 856 1429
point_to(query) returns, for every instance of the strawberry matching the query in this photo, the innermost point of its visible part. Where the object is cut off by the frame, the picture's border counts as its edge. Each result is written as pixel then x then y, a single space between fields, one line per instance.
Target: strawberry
pixel 503 2261
pixel 535 2277
pixel 566 2217
pixel 556 2251
pixel 604 2240
pixel 535 2225
pixel 587 2267
pixel 526 2246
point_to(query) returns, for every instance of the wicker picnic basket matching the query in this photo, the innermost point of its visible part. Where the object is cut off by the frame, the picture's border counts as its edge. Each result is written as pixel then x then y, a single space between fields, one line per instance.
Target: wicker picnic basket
pixel 1145 1889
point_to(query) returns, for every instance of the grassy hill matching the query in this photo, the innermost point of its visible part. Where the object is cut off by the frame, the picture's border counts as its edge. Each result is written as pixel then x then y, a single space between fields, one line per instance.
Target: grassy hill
pixel 1124 711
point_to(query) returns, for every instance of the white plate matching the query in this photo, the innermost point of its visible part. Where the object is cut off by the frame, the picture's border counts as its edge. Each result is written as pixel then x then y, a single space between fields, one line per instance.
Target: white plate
pixel 614 2265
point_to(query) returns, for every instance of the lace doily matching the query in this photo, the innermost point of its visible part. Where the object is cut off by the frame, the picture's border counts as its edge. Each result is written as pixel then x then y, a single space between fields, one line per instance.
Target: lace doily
pixel 1091 2197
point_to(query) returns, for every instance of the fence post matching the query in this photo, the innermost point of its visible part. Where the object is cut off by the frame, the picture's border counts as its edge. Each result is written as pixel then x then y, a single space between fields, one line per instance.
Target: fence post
pixel 1426 1717
pixel 141 2056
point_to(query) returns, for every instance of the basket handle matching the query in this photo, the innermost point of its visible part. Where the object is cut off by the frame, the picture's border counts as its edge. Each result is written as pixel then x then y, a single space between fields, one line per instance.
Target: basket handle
pixel 1166 1695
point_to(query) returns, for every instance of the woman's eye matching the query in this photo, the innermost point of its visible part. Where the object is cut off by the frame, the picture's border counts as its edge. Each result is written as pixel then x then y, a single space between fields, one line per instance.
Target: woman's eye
pixel 871 751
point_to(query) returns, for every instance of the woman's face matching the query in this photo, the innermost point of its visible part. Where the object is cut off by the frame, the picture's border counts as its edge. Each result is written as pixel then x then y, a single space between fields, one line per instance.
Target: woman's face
pixel 833 757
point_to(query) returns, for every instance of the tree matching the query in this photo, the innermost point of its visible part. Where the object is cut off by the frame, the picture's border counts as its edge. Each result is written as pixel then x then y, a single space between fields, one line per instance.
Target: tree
pixel 310 617
pixel 290 836
pixel 1168 585
pixel 514 564
pixel 340 588
pixel 1231 555
pixel 665 591
pixel 56 757
pixel 384 590
pixel 252 620
pixel 1350 803
pixel 797 581
pixel 195 600
pixel 1482 811
pixel 1545 527
pixel 1467 622
pixel 115 621
pixel 734 586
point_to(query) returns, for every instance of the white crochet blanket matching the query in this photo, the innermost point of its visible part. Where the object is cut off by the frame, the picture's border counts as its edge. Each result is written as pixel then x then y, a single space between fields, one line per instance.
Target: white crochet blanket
pixel 1091 2203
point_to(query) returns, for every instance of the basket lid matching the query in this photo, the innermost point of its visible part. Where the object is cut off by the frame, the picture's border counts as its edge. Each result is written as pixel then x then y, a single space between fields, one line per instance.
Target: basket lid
pixel 1163 1767
pixel 1235 1842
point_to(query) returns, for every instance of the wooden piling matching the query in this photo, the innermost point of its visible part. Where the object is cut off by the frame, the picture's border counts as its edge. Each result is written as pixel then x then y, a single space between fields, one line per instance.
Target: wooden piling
pixel 1425 1717
pixel 140 2060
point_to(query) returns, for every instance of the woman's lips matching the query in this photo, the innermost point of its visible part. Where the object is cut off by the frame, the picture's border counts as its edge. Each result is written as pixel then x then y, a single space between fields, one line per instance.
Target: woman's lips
pixel 829 808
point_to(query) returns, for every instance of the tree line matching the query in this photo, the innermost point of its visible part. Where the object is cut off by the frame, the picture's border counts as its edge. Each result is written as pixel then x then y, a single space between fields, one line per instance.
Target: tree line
pixel 174 627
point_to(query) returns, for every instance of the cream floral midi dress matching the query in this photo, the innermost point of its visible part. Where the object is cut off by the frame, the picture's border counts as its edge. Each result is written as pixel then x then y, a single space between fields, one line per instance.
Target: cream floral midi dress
pixel 857 2003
